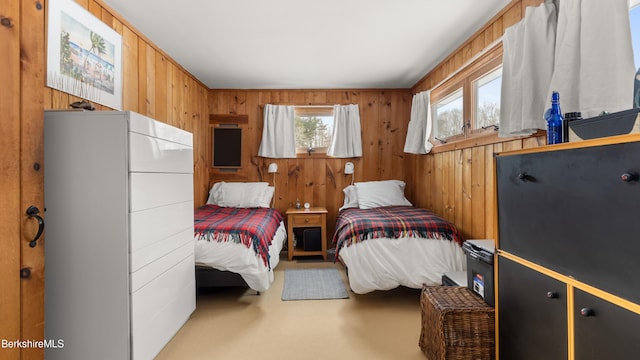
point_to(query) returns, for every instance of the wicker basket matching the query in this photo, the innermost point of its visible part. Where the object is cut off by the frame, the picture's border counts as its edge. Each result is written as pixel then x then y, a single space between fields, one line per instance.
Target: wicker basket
pixel 456 324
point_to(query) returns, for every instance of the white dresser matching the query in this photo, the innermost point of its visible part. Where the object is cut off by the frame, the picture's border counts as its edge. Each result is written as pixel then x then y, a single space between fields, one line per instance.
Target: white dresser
pixel 119 264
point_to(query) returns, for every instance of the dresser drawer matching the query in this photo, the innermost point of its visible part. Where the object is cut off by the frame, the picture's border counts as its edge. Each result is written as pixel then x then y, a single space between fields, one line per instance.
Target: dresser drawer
pixel 153 225
pixel 570 210
pixel 150 154
pixel 146 126
pixel 306 220
pixel 150 190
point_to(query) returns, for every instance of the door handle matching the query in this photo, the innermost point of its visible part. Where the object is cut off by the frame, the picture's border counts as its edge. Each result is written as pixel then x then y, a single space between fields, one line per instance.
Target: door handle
pixel 33 212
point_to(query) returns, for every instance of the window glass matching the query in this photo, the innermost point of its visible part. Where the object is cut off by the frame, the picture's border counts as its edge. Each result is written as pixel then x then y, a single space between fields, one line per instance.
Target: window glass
pixel 447 115
pixel 313 131
pixel 634 17
pixel 487 91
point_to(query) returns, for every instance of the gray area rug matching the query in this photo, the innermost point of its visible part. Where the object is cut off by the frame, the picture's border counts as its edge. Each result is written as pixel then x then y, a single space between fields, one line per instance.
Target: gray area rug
pixel 313 284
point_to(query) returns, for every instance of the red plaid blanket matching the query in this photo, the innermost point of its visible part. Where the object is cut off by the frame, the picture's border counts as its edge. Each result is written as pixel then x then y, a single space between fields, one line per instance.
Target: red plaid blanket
pixel 354 225
pixel 252 227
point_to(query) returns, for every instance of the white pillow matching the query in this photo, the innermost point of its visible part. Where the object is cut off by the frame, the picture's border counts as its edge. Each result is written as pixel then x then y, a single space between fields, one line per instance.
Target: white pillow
pixel 372 194
pixel 267 195
pixel 239 194
pixel 215 194
pixel 350 197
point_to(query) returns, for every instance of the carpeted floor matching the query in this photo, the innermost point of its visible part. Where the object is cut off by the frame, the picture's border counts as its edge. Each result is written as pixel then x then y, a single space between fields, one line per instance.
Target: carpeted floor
pixel 235 323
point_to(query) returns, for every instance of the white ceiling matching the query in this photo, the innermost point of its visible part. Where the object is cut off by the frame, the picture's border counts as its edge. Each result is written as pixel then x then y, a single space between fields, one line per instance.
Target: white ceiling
pixel 304 44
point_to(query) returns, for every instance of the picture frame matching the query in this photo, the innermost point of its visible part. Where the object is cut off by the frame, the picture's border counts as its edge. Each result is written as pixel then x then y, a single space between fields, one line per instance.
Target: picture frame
pixel 84 55
pixel 227 147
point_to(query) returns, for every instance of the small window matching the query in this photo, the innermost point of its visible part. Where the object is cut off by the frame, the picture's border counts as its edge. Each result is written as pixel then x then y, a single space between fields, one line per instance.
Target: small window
pixel 487 99
pixel 313 129
pixel 447 116
pixel 467 104
pixel 634 19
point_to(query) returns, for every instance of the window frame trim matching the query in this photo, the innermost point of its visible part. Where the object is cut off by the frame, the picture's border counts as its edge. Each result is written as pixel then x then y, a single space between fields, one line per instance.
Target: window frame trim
pixel 310 111
pixel 483 64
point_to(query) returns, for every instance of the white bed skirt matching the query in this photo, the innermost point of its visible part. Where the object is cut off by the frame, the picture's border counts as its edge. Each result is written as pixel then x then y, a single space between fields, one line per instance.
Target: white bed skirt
pixel 384 264
pixel 237 258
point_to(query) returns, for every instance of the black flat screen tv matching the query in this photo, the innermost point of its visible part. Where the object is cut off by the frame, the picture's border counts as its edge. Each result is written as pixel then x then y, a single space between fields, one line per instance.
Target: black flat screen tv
pixel 227 147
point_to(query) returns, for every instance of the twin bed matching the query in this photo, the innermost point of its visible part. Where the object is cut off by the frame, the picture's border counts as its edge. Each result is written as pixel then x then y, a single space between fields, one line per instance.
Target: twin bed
pixel 383 241
pixel 238 237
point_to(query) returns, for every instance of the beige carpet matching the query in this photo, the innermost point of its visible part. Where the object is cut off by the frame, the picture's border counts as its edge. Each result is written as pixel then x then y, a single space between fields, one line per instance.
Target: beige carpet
pixel 237 324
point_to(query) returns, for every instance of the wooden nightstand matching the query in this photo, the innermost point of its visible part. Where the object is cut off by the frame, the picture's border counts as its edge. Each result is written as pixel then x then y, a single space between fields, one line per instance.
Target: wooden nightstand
pixel 315 217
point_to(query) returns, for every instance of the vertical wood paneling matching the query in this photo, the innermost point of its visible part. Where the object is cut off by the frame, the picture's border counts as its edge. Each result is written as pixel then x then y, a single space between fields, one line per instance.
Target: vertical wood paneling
pixel 369 167
pixel 384 115
pixel 161 89
pixel 129 70
pixel 459 184
pixel 149 103
pixel 489 192
pixel 142 77
pixel 10 206
pixel 31 172
pixel 477 191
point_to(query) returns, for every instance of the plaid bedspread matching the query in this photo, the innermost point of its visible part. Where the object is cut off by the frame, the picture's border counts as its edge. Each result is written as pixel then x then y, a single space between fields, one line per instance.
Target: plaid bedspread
pixel 252 227
pixel 355 225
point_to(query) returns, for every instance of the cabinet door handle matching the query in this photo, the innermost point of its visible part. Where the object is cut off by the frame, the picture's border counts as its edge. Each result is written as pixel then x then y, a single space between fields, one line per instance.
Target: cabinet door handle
pixel 586 312
pixel 526 177
pixel 552 295
pixel 629 177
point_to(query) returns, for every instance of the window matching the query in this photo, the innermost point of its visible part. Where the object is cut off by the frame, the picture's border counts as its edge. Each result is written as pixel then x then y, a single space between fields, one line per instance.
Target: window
pixel 634 19
pixel 313 128
pixel 468 104
pixel 487 99
pixel 447 115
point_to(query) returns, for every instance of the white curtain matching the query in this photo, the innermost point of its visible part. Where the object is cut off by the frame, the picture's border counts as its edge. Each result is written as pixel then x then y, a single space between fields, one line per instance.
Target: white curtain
pixel 594 68
pixel 420 125
pixel 347 138
pixel 583 50
pixel 527 67
pixel 278 134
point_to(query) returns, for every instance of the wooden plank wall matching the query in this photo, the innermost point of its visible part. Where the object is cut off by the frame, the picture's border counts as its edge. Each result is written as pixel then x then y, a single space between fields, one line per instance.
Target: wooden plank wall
pixel 319 180
pixel 153 85
pixel 459 184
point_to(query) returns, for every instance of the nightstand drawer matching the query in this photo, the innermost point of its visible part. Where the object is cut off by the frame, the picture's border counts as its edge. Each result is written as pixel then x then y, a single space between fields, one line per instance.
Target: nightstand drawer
pixel 306 220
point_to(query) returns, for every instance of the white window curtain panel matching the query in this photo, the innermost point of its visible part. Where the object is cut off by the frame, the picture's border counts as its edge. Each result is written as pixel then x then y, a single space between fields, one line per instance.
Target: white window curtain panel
pixel 527 67
pixel 278 134
pixel 586 44
pixel 420 125
pixel 346 141
pixel 594 68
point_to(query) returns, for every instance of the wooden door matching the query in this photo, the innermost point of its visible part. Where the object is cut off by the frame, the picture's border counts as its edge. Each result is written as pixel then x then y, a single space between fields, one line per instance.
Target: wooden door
pixel 21 176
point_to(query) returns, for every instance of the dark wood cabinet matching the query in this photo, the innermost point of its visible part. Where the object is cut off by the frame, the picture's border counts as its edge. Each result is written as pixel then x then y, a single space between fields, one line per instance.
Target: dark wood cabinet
pixel 604 330
pixel 533 310
pixel 567 221
pixel 573 212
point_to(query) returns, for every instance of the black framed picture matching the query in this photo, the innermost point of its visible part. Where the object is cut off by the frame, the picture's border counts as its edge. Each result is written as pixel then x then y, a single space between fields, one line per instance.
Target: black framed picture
pixel 227 147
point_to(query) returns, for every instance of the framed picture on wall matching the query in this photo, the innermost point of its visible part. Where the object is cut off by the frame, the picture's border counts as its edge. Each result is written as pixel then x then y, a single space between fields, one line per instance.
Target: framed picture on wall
pixel 84 55
pixel 227 147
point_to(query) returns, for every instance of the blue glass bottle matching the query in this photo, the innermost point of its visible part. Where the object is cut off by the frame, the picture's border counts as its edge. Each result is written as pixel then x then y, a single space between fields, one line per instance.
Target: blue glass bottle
pixel 554 119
